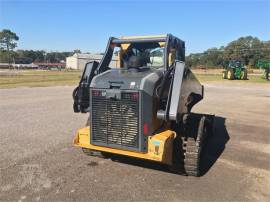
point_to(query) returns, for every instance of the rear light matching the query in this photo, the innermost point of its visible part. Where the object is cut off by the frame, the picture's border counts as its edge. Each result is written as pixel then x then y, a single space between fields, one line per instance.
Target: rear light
pixel 96 93
pixel 135 95
pixel 145 128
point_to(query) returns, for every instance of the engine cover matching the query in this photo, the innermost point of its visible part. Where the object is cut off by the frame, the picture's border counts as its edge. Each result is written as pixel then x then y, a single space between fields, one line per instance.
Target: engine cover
pixel 122 108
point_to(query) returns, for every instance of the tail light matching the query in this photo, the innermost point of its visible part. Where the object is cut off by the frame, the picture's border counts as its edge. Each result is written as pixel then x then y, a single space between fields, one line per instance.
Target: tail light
pixel 96 93
pixel 135 95
pixel 145 128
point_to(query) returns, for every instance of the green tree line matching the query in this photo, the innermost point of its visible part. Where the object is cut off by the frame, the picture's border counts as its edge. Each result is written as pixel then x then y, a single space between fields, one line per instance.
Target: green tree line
pixel 29 56
pixel 248 49
pixel 8 42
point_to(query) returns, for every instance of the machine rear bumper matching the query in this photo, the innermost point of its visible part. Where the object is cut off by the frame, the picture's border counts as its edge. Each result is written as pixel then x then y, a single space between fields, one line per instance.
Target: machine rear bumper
pixel 160 146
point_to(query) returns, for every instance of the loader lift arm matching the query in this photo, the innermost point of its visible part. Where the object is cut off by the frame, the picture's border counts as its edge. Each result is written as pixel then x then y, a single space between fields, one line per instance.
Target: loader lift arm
pixel 81 92
pixel 181 98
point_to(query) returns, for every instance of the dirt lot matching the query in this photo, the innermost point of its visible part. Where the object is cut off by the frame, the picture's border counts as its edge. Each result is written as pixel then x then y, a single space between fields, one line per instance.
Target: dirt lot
pixel 38 162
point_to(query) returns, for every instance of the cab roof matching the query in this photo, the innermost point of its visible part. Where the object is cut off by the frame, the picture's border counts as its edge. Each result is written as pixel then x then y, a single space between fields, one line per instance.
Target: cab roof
pixel 144 37
pixel 141 39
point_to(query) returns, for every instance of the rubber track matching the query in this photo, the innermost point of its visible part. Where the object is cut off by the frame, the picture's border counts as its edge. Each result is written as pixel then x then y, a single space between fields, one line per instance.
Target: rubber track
pixel 192 150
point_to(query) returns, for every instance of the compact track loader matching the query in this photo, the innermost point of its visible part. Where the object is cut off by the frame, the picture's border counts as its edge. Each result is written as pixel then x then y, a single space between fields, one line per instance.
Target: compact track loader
pixel 142 107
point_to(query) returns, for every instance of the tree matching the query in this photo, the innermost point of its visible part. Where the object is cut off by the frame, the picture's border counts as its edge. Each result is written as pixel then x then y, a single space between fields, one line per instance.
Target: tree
pixel 8 42
pixel 247 49
pixel 77 51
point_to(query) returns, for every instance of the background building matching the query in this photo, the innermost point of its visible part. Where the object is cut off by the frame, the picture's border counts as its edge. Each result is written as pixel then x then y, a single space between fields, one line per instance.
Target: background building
pixel 78 60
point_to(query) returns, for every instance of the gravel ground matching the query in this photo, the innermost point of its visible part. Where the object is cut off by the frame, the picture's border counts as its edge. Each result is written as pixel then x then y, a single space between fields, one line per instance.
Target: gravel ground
pixel 39 163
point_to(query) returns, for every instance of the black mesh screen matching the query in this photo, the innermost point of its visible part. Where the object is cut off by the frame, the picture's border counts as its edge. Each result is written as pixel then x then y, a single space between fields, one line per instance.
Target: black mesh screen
pixel 115 121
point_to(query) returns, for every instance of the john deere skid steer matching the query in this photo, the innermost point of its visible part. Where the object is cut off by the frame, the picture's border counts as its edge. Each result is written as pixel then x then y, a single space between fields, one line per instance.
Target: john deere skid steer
pixel 141 108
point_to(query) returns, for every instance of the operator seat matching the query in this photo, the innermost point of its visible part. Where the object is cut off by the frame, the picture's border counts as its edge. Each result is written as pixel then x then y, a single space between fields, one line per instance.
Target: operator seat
pixel 135 62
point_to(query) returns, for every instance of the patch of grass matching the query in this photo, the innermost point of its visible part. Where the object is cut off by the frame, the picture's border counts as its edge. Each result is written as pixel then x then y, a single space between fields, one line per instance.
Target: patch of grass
pixel 41 78
pixel 36 78
pixel 202 77
pixel 208 77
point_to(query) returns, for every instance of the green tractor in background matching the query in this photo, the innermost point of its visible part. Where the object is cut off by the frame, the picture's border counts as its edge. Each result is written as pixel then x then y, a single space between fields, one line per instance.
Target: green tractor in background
pixel 266 66
pixel 234 69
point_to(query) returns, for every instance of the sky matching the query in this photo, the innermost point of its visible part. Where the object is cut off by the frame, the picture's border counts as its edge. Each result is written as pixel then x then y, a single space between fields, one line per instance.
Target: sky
pixel 65 25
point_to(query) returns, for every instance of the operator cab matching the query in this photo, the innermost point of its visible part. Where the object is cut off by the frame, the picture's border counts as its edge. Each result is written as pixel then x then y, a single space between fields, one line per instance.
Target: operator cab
pixel 135 55
pixel 143 56
pixel 148 53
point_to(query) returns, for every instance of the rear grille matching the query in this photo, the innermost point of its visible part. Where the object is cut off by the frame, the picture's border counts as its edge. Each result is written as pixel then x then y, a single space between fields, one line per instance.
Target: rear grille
pixel 115 122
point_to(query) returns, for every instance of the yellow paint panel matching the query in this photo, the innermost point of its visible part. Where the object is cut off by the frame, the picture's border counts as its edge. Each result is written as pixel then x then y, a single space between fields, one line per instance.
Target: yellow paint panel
pixel 160 146
pixel 172 56
pixel 162 44
pixel 125 46
pixel 143 37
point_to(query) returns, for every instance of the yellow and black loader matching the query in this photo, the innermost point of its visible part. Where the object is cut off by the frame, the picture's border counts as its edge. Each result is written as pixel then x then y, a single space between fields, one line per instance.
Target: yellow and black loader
pixel 141 106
